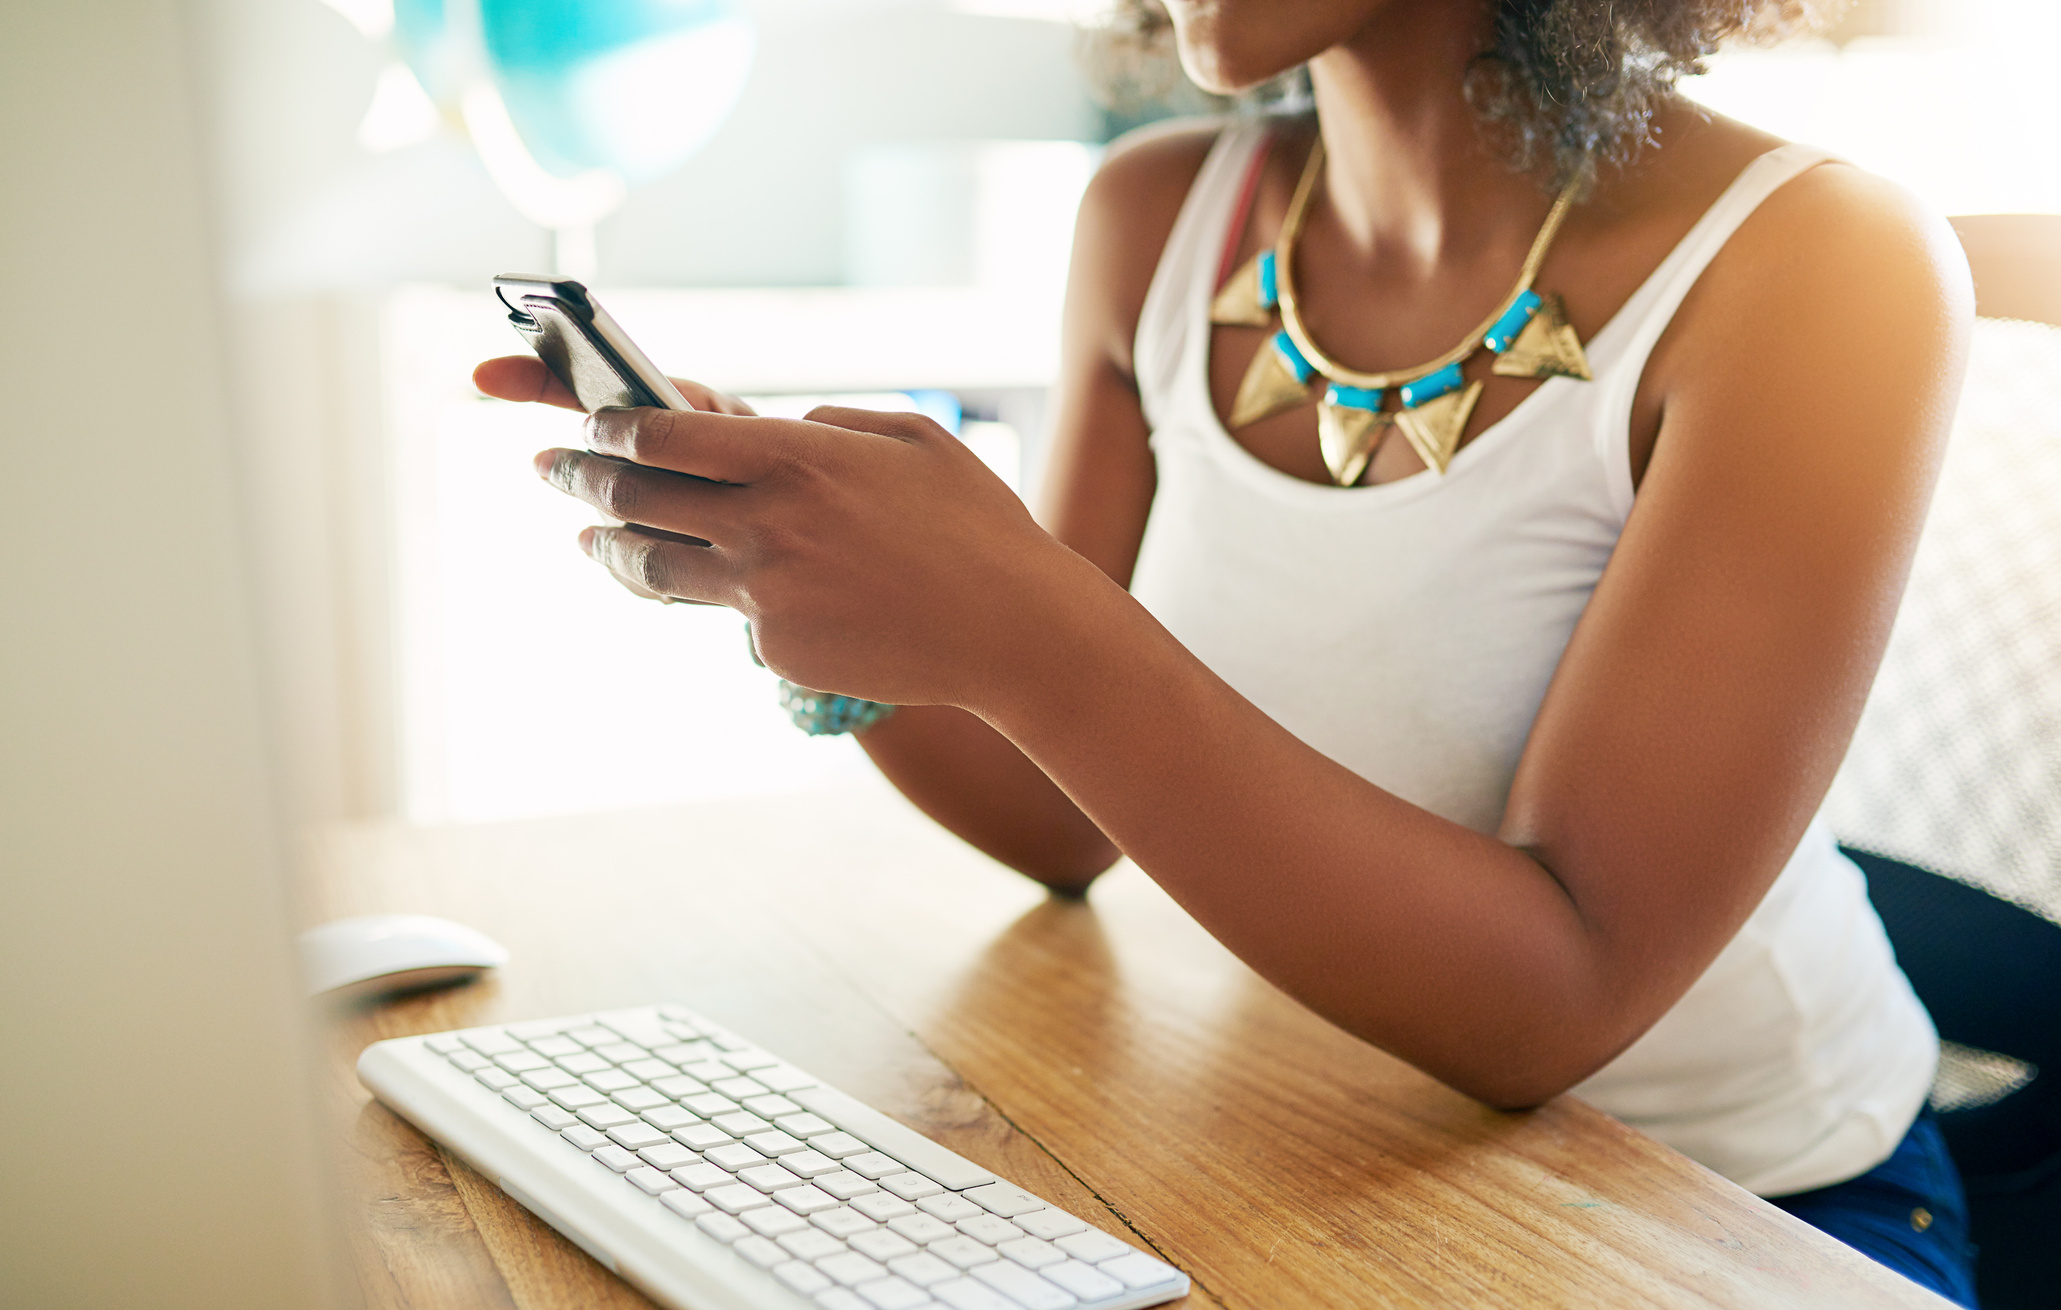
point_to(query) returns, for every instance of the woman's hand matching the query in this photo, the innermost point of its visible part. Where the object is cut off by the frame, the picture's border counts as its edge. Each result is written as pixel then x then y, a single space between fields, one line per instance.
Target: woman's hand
pixel 874 554
pixel 524 378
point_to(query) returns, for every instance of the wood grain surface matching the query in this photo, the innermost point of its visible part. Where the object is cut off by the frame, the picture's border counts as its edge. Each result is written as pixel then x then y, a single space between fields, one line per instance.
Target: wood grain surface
pixel 1108 1055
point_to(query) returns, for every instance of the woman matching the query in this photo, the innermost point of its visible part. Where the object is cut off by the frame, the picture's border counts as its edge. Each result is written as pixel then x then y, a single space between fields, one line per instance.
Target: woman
pixel 1508 765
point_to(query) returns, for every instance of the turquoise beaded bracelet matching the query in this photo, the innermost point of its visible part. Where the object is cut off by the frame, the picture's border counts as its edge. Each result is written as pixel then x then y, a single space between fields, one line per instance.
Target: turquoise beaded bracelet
pixel 822 714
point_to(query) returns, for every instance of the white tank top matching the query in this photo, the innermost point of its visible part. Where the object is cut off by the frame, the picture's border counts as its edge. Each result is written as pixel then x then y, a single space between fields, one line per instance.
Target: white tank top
pixel 1801 1057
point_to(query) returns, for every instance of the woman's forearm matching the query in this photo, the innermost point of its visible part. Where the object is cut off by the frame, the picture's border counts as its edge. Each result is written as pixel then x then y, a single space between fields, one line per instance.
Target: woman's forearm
pixel 975 782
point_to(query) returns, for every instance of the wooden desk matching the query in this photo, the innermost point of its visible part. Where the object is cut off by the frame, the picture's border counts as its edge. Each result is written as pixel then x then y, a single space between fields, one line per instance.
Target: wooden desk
pixel 1108 1055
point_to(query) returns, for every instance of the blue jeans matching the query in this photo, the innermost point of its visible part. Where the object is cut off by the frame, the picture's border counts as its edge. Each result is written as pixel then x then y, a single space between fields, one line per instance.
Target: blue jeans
pixel 1907 1212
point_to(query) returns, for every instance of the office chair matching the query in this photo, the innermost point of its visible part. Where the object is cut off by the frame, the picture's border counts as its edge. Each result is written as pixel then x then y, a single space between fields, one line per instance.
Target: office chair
pixel 1950 799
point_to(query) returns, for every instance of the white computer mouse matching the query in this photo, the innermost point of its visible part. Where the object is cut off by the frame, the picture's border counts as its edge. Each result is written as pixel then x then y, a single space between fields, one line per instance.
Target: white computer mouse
pixel 376 953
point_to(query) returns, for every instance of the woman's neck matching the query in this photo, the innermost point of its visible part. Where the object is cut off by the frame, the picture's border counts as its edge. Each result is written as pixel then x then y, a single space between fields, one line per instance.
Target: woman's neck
pixel 1410 181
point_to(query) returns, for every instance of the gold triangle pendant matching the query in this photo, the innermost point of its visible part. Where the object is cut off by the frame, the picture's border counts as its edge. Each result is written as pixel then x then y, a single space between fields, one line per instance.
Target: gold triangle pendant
pixel 1276 381
pixel 1433 428
pixel 1239 302
pixel 1546 348
pixel 1349 436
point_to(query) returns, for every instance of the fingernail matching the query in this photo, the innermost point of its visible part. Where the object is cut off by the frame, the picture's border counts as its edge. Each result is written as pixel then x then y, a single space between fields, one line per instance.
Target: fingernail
pixel 589 537
pixel 546 463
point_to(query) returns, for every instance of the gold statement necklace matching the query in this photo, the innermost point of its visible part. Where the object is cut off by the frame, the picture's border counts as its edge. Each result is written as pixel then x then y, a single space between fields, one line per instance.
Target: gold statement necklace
pixel 1529 333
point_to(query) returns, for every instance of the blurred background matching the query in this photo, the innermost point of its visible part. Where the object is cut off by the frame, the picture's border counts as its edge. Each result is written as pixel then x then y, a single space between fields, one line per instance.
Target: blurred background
pixel 871 198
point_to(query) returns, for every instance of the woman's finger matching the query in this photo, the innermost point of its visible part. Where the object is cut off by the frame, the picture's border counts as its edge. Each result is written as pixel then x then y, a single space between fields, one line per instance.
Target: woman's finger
pixel 720 447
pixel 522 378
pixel 683 505
pixel 661 566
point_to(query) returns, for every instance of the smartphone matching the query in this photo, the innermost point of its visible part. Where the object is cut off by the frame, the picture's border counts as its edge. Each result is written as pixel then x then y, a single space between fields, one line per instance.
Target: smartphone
pixel 578 341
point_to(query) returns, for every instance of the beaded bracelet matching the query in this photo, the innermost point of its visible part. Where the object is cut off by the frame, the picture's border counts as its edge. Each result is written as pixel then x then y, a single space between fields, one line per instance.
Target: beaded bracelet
pixel 822 714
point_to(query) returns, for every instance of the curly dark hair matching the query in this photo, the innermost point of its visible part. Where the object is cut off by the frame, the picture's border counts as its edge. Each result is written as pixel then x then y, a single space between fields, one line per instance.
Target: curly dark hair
pixel 1566 86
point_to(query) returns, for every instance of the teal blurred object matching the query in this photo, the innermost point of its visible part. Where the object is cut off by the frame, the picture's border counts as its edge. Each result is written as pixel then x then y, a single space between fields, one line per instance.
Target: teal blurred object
pixel 631 86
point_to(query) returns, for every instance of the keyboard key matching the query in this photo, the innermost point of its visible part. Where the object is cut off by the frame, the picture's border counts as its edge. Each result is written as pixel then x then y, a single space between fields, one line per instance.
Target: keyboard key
pixel 844 1184
pixel 669 1117
pixel 910 1186
pixel 761 1252
pixel 490 1042
pixel 784 1078
pixel 640 1099
pixel 807 1163
pixel 746 1061
pixel 841 1298
pixel 735 1156
pixel 965 1294
pixel 739 1123
pixel 610 1080
pixel 1003 1199
pixel 962 1251
pixel 637 1135
pixel 801 1278
pixel 701 1177
pixel 470 1061
pixel 550 1080
pixel 1084 1281
pixel 735 1197
pixel 1031 1253
pixel 774 1142
pixel 702 1137
pixel 949 1208
pixel 838 1145
pixel 622 1052
pixel 496 1080
pixel 444 1043
pixel 803 1124
pixel 593 1036
pixel 923 1269
pixel 687 1205
pixel 555 1119
pixel 872 1164
pixel 616 1158
pixel 772 1221
pixel 587 1139
pixel 679 1086
pixel 881 1206
pixel 526 1098
pixel 606 1116
pixel 583 1063
pixel 739 1088
pixel 555 1046
pixel 884 1245
pixel 709 1104
pixel 719 1226
pixel 922 1229
pixel 668 1156
pixel 771 1107
pixel 1049 1224
pixel 650 1181
pixel 851 1268
pixel 768 1177
pixel 707 1070
pixel 810 1244
pixel 679 1053
pixel 990 1229
pixel 805 1200
pixel 893 1294
pixel 646 1070
pixel 1093 1246
pixel 842 1222
pixel 1024 1287
pixel 522 1061
pixel 576 1098
pixel 1137 1270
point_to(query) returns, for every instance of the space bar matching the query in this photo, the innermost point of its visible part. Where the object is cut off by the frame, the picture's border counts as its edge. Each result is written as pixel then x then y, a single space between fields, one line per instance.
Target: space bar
pixel 905 1144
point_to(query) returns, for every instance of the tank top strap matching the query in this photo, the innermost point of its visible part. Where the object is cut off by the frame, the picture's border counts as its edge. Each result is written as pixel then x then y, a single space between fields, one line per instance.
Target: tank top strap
pixel 1619 352
pixel 1189 261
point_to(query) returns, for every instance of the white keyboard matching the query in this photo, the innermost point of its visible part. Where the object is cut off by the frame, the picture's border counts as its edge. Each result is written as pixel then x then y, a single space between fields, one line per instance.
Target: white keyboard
pixel 712 1175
